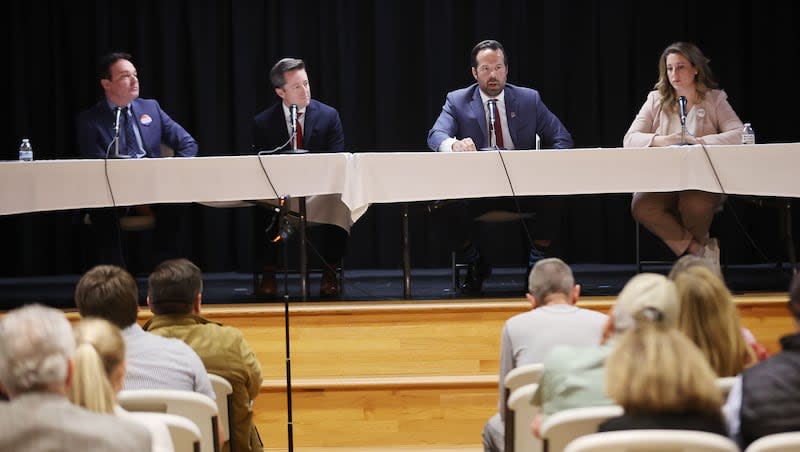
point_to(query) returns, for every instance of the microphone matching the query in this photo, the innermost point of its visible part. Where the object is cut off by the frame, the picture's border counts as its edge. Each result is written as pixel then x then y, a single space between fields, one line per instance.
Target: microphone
pixel 293 116
pixel 492 143
pixel 115 140
pixel 117 112
pixel 682 106
pixel 293 138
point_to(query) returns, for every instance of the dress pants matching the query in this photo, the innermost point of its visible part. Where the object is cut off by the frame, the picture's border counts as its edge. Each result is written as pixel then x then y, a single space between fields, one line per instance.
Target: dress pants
pixel 459 217
pixel 677 217
pixel 110 243
pixel 332 246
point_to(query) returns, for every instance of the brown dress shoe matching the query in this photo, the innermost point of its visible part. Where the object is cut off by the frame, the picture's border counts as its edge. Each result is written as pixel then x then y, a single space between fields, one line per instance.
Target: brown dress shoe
pixel 329 286
pixel 268 286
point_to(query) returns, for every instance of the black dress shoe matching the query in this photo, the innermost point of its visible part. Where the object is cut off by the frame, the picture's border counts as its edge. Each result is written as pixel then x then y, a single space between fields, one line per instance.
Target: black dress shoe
pixel 268 287
pixel 329 286
pixel 477 272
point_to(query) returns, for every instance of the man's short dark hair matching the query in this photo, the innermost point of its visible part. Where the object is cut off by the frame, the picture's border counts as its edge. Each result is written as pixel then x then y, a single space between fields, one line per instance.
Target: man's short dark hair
pixel 108 292
pixel 283 66
pixel 104 69
pixel 173 286
pixel 487 44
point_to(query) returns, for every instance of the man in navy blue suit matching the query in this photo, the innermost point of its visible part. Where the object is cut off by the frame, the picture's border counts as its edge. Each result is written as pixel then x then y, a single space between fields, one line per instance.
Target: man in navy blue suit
pixel 142 128
pixel 319 129
pixel 463 125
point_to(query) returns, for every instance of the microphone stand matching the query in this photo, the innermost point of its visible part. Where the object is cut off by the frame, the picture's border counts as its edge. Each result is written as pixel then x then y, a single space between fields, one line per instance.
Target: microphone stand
pixel 284 234
pixel 492 137
pixel 289 424
pixel 293 138
pixel 116 136
pixel 682 113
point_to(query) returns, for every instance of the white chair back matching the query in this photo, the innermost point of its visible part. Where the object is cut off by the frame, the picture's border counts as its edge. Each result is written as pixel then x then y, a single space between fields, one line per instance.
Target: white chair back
pixel 560 428
pixel 777 442
pixel 523 375
pixel 519 403
pixel 652 441
pixel 516 378
pixel 185 434
pixel 194 406
pixel 725 384
pixel 223 390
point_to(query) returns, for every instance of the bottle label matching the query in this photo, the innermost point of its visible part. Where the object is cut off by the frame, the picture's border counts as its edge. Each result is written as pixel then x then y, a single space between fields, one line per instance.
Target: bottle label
pixel 26 151
pixel 748 138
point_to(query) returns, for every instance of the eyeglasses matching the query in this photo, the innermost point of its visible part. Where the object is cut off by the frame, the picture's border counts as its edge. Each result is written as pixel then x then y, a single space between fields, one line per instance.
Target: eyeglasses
pixel 486 69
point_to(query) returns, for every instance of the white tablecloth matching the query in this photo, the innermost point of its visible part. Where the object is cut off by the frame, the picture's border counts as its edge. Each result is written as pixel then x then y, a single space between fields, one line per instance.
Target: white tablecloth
pixel 359 180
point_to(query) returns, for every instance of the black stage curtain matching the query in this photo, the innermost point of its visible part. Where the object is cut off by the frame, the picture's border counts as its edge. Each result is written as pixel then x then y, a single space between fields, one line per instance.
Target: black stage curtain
pixel 386 66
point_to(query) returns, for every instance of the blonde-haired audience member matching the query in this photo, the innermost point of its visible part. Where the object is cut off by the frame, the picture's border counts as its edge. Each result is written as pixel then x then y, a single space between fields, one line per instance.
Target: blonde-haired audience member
pixel 99 369
pixel 37 350
pixel 688 261
pixel 573 376
pixel 709 318
pixel 662 380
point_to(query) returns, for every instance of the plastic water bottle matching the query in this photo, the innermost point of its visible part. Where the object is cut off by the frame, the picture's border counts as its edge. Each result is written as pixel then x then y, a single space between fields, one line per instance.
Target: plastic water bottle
pixel 26 151
pixel 748 136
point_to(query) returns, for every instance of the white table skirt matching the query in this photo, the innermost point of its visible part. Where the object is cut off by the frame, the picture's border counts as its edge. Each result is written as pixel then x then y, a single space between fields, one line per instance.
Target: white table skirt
pixel 358 180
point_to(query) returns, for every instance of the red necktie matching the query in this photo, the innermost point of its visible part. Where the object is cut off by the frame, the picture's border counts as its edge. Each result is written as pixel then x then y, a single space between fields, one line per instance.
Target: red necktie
pixel 498 128
pixel 299 132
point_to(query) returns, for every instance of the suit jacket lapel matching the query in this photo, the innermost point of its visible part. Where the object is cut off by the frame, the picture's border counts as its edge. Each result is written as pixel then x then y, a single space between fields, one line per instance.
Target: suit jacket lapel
pixel 145 133
pixel 480 116
pixel 310 117
pixel 511 114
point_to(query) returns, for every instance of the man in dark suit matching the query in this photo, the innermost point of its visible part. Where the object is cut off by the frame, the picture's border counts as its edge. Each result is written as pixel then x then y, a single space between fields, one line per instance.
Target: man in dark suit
pixel 520 117
pixel 319 129
pixel 137 128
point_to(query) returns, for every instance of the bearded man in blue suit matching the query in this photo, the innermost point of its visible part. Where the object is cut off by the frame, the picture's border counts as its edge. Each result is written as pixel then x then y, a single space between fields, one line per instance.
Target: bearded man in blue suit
pixel 123 125
pixel 520 116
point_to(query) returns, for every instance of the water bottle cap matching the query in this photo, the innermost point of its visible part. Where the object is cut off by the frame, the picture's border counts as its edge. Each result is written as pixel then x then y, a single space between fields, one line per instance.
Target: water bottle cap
pixel 747 124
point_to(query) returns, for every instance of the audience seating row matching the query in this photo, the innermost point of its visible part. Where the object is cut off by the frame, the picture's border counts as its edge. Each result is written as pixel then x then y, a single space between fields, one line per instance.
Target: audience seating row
pixel 678 441
pixel 563 427
pixel 196 423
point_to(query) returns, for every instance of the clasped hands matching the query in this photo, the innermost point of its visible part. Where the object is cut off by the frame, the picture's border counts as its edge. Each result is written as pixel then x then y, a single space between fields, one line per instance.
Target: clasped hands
pixel 464 145
pixel 672 139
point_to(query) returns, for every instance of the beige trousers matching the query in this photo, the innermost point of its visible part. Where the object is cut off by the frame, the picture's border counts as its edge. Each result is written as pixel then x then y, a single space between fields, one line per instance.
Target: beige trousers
pixel 677 217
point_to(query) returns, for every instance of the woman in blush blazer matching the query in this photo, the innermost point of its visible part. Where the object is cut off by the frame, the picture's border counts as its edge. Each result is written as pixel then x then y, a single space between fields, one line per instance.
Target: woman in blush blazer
pixel 682 219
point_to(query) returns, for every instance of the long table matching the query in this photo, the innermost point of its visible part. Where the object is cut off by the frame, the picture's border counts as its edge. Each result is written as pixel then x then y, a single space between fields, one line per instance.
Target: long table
pixel 363 179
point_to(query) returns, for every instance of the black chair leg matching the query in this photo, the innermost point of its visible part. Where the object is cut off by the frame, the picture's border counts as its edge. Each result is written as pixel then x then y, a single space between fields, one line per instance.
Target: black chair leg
pixel 788 236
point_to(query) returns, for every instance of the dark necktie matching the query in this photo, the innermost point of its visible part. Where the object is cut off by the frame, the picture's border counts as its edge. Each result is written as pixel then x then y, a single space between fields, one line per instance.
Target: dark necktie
pixel 131 145
pixel 498 128
pixel 299 131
